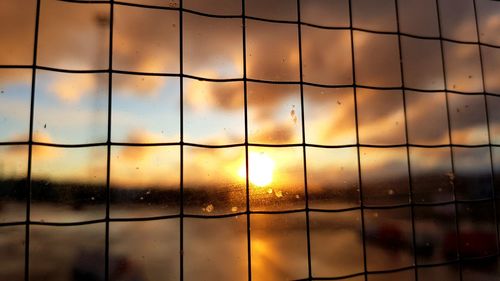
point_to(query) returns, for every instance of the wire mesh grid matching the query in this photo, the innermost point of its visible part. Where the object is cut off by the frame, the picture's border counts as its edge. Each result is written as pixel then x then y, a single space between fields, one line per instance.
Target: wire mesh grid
pixel 248 212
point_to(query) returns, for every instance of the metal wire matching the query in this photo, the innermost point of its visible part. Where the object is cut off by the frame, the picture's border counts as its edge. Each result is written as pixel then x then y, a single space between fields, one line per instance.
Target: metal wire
pixel 307 210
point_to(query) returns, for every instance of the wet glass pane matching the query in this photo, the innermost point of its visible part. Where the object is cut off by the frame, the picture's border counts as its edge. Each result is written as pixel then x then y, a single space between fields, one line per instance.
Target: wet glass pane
pixel 381 117
pixel 276 9
pixel 12 247
pixel 68 253
pixel 463 67
pixel 478 235
pixel 13 171
pixel 335 247
pixel 487 269
pixel 144 181
pixel 494 118
pixel 439 273
pixel 407 275
pixel 491 63
pixel 274 113
pixel 418 17
pixel 213 112
pixel 272 51
pixel 332 177
pixel 17 26
pixel 82 108
pixel 435 231
pixel 60 46
pixel 279 246
pixel 146 250
pixel 368 66
pixel 214 180
pixel 377 15
pixel 68 184
pixel 427 118
pixel 431 174
pixel 472 172
pixel 325 12
pixel 326 56
pixel 388 239
pixel 384 172
pixel 468 119
pixel 422 65
pixel 489 27
pixel 457 19
pixel 212 47
pixel 145 109
pixel 215 249
pixel 214 7
pixel 15 98
pixel 329 116
pixel 276 178
pixel 145 40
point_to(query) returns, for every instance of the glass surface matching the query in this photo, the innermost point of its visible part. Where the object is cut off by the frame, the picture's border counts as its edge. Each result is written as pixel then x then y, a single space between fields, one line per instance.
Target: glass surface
pixel 274 113
pixel 439 273
pixel 272 51
pixel 335 247
pixel 214 7
pixel 146 250
pixel 325 12
pixel 478 231
pixel 214 180
pixel 463 67
pixel 405 275
pixel 457 19
pixel 332 177
pixel 468 119
pixel 12 249
pixel 279 246
pixel 145 109
pixel 326 56
pixel 60 46
pixel 144 181
pixel 384 172
pixel 368 66
pixel 68 253
pixel 487 15
pixel 422 63
pixel 491 61
pixel 377 15
pixel 82 108
pixel 213 112
pixel 494 118
pixel 212 47
pixel 68 184
pixel 381 117
pixel 15 98
pixel 418 17
pixel 275 10
pixel 215 249
pixel 472 176
pixel 145 40
pixel 13 186
pixel 329 116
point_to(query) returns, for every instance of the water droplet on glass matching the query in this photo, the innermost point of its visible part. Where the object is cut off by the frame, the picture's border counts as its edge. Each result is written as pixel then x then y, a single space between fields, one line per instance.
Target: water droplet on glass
pixel 270 191
pixel 209 208
pixel 142 198
pixel 278 193
pixel 297 196
pixel 391 192
pixel 234 209
pixel 92 198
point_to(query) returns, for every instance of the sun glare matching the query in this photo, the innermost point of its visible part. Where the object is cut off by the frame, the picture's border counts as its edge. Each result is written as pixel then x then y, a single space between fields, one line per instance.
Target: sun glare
pixel 260 167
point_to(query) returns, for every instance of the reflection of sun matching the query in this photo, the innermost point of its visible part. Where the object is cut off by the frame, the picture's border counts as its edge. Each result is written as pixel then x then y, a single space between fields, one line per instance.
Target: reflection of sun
pixel 260 167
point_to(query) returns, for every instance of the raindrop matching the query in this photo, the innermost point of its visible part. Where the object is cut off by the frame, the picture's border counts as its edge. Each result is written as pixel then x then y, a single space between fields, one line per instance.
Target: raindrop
pixel 339 103
pixel 45 126
pixel 142 198
pixel 234 209
pixel 209 208
pixel 92 198
pixel 278 194
pixel 297 196
pixel 470 76
pixel 148 192
pixel 270 191
pixel 391 192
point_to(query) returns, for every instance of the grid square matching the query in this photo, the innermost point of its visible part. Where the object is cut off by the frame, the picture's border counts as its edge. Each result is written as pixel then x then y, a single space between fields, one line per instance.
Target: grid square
pixel 493 103
pixel 274 113
pixel 215 249
pixel 13 187
pixel 418 17
pixel 15 97
pixel 13 258
pixel 463 67
pixel 325 12
pixel 68 184
pixel 458 23
pixel 275 10
pixel 335 247
pixel 404 275
pixel 206 47
pixel 214 7
pixel 144 181
pixel 422 65
pixel 487 11
pixel 468 119
pixel 332 177
pixel 436 273
pixel 213 112
pixel 330 117
pixel 384 172
pixel 145 109
pixel 272 51
pixel 213 180
pixel 427 118
pixel 374 15
pixel 381 117
pixel 82 103
pixel 145 40
pixel 285 189
pixel 60 46
pixel 472 178
pixel 491 61
pixel 326 56
pixel 368 66
pixel 279 246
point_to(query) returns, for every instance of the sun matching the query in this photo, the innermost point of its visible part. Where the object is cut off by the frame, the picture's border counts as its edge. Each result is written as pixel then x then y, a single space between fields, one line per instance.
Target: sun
pixel 260 167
